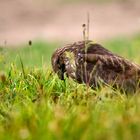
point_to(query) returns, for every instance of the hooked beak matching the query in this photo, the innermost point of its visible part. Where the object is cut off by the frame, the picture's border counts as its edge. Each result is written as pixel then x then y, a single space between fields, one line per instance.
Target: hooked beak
pixel 60 75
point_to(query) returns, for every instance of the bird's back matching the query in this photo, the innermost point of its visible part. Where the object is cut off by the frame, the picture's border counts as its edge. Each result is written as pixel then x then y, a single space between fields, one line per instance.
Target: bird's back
pixel 91 63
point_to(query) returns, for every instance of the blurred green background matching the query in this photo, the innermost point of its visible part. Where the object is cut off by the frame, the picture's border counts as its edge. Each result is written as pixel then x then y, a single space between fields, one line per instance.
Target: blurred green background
pixel 39 53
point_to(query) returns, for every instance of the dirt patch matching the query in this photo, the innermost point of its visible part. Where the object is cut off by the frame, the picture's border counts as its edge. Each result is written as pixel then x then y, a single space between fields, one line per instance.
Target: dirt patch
pixel 21 21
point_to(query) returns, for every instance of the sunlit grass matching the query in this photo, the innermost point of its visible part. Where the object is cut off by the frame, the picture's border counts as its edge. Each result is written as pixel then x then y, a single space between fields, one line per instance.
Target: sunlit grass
pixel 36 55
pixel 37 105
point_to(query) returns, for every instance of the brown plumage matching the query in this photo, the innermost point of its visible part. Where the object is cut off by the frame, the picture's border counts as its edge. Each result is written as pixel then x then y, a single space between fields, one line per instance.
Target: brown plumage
pixel 90 63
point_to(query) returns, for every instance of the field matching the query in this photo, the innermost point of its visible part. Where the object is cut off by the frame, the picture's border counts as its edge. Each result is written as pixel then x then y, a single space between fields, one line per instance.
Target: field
pixel 35 104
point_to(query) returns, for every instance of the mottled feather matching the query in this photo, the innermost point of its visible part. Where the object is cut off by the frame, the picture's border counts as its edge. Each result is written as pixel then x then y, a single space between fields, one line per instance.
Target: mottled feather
pixel 90 63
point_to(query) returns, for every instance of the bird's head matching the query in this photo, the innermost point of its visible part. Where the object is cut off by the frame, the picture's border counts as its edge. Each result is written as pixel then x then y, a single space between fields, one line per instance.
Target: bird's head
pixel 58 63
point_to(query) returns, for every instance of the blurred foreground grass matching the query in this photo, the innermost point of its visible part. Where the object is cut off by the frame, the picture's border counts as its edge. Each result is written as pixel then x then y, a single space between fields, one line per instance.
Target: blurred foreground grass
pixel 37 105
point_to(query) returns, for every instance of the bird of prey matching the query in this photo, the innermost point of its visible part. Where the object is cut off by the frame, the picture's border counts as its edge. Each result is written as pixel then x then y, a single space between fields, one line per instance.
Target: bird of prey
pixel 90 63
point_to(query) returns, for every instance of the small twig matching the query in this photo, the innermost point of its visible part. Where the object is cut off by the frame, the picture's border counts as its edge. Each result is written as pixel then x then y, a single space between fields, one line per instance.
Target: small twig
pixel 84 31
pixel 86 38
pixel 22 66
pixel 88 22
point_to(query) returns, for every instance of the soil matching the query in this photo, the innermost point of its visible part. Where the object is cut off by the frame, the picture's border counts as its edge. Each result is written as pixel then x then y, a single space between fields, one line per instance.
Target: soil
pixel 21 21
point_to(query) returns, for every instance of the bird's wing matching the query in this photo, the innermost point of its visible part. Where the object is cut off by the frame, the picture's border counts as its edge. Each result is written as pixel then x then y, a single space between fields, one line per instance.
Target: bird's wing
pixel 110 62
pixel 96 52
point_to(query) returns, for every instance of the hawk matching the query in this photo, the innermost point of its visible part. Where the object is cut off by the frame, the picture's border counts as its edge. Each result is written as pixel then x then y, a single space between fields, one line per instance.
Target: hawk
pixel 90 63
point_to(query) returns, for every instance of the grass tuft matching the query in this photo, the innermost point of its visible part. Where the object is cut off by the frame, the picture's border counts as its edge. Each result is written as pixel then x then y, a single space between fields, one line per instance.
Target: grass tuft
pixel 40 106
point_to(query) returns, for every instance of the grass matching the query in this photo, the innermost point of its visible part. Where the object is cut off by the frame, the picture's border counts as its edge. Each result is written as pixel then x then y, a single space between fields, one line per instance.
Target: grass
pixel 36 55
pixel 37 105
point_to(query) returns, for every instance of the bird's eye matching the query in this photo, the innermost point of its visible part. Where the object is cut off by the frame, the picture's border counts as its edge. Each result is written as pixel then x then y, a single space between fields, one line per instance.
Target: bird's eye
pixel 79 54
